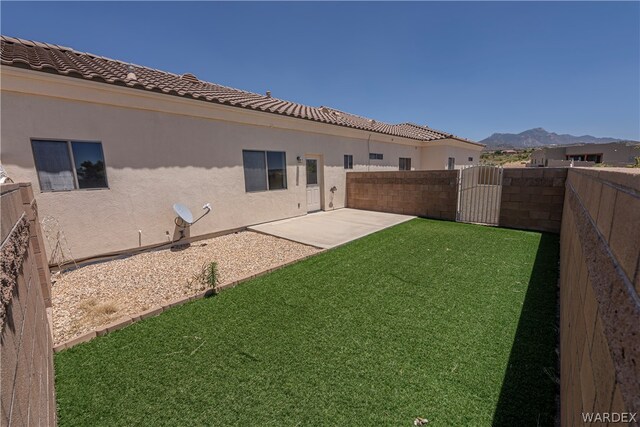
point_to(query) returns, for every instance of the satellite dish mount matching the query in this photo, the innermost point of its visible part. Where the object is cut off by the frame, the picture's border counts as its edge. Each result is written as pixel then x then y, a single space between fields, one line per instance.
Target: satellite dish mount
pixel 184 218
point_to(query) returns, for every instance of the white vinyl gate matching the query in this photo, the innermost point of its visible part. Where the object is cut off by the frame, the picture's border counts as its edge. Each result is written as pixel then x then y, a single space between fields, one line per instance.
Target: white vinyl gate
pixel 479 192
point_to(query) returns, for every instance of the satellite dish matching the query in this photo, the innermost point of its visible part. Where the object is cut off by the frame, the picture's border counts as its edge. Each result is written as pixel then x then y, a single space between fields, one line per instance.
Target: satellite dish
pixel 185 220
pixel 185 217
pixel 183 213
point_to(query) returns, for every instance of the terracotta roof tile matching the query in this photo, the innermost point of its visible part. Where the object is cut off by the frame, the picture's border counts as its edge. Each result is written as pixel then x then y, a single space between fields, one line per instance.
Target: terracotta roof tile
pixel 66 61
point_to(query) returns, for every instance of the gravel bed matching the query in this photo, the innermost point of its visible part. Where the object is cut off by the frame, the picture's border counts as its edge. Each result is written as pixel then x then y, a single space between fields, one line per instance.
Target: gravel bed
pixel 95 295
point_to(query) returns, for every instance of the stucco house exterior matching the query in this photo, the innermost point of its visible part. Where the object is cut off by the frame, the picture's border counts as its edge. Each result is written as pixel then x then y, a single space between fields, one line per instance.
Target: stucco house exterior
pixel 111 146
pixel 621 153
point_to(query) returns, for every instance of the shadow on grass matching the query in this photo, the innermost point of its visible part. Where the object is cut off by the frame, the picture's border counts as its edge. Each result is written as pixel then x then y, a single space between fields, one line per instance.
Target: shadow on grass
pixel 530 386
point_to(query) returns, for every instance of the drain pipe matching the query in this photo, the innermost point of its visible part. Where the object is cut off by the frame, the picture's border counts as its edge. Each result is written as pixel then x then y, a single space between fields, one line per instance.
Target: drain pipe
pixel 369 153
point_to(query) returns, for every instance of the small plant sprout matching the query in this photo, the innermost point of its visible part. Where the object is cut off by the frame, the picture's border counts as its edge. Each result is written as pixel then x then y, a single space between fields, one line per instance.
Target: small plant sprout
pixel 207 276
pixel 211 274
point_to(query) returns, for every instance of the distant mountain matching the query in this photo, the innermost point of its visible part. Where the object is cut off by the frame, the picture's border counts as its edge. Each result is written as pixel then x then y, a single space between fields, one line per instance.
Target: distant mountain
pixel 539 137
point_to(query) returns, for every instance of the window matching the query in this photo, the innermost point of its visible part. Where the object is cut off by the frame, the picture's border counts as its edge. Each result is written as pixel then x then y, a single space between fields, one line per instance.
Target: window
pixel 375 156
pixel 264 170
pixel 312 172
pixel 69 165
pixel 451 163
pixel 277 167
pixel 470 159
pixel 405 163
pixel 348 161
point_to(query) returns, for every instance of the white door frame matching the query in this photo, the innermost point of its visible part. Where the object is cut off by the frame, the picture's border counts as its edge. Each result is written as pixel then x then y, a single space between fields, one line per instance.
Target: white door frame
pixel 319 159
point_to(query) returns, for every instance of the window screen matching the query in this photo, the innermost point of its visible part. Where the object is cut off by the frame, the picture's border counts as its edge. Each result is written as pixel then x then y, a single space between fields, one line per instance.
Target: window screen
pixel 348 161
pixel 255 176
pixel 264 170
pixel 57 172
pixel 405 163
pixel 451 163
pixel 53 164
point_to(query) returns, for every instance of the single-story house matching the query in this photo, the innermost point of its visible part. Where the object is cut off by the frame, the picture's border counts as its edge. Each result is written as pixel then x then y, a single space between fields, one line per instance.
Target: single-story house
pixel 621 153
pixel 111 146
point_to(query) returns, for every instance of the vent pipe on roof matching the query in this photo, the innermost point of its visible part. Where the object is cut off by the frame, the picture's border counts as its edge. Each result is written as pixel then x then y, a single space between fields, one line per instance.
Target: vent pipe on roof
pixel 131 75
pixel 268 94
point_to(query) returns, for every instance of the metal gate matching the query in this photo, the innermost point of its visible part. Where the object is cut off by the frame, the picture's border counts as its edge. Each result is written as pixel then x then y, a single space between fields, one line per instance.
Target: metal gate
pixel 479 192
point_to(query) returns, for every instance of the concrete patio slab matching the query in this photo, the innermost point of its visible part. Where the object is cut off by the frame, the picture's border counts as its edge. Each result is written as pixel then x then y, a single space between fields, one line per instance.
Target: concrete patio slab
pixel 332 228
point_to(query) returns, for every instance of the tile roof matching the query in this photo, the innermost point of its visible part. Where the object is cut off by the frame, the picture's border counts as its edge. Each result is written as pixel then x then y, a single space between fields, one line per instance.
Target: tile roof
pixel 66 61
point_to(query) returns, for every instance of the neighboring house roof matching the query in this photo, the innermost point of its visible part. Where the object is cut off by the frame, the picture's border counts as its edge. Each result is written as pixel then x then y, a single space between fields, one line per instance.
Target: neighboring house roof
pixel 65 61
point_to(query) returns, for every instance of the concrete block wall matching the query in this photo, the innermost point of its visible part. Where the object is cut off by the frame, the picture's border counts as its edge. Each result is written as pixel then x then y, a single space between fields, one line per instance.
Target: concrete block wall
pixel 26 356
pixel 37 240
pixel 431 194
pixel 532 198
pixel 599 295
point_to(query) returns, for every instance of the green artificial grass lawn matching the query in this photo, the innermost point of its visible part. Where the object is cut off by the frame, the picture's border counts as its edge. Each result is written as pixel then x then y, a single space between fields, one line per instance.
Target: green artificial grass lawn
pixel 451 322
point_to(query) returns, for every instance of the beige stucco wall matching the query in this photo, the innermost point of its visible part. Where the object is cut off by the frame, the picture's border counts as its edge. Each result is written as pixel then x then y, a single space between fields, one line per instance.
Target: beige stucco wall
pixel 160 150
pixel 535 155
pixel 614 154
pixel 435 155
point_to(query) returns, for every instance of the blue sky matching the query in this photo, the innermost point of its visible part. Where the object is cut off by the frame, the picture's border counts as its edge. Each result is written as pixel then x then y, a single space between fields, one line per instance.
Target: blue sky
pixel 470 68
